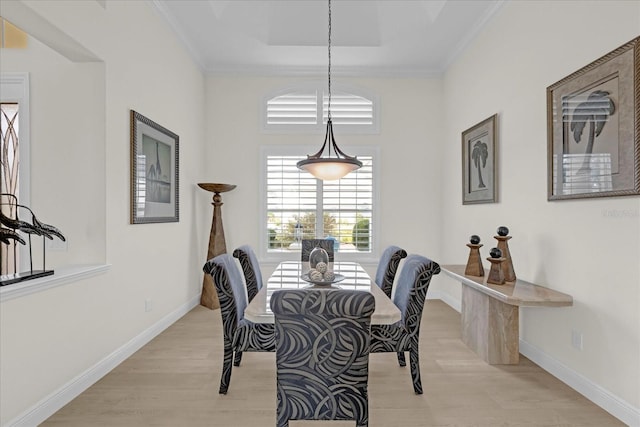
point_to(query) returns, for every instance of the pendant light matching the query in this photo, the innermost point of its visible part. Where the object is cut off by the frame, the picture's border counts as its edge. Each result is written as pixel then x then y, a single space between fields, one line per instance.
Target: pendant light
pixel 329 168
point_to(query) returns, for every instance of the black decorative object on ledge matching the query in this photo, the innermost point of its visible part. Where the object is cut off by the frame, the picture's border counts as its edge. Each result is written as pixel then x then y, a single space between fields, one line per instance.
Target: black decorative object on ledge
pixel 503 245
pixel 11 229
pixel 496 275
pixel 474 263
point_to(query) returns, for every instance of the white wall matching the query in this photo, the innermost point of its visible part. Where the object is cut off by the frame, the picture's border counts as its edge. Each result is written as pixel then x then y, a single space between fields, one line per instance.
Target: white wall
pixel 576 247
pixel 49 338
pixel 410 141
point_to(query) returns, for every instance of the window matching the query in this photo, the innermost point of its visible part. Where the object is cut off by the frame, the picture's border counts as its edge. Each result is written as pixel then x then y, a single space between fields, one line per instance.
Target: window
pixel 299 206
pixel 347 109
pixel 14 160
pixel 293 108
pixel 304 109
pixel 9 160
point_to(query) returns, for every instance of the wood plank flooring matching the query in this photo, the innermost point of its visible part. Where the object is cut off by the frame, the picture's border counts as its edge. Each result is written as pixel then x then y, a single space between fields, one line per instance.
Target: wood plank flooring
pixel 173 381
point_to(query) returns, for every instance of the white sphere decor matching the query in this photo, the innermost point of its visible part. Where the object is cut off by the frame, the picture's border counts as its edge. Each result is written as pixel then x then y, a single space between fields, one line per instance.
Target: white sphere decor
pixel 315 276
pixel 321 267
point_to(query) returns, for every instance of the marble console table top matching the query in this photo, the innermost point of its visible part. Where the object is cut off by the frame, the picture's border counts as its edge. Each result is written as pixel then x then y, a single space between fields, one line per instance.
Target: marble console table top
pixel 518 293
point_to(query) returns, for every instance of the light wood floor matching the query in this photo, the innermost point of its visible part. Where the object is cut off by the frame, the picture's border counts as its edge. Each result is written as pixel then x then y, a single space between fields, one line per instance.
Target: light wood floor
pixel 173 381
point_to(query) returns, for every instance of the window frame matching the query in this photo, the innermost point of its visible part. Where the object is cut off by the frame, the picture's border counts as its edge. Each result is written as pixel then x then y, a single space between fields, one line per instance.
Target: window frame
pixel 319 87
pixel 298 150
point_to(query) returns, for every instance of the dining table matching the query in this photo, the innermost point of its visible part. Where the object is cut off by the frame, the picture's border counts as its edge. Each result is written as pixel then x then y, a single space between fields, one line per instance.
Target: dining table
pixel 288 275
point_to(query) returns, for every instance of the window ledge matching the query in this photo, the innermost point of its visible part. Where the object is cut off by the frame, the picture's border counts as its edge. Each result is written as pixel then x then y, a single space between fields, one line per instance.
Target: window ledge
pixel 61 276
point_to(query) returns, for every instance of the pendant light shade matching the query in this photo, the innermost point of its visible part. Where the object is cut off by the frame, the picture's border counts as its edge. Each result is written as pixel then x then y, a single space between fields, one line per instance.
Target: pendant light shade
pixel 329 168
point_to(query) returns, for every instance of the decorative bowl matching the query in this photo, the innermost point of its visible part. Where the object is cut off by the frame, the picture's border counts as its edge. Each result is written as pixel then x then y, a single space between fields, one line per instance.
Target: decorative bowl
pixel 215 187
pixel 338 278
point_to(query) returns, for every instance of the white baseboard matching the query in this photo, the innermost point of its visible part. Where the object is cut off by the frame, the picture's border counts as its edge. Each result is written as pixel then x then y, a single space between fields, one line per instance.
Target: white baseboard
pixel 65 394
pixel 617 407
pixel 446 298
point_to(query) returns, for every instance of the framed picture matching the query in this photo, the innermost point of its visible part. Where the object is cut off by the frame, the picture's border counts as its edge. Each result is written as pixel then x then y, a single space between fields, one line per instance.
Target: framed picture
pixel 154 172
pixel 593 128
pixel 479 175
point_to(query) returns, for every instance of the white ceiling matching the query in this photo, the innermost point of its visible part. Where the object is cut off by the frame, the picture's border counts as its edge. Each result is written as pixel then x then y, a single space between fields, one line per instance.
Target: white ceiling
pixel 368 38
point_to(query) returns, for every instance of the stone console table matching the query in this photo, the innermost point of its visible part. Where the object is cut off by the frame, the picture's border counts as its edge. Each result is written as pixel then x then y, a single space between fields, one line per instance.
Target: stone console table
pixel 490 313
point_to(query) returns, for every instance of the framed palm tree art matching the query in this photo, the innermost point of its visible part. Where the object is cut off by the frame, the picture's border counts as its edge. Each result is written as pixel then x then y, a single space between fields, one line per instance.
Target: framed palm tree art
pixel 593 128
pixel 479 175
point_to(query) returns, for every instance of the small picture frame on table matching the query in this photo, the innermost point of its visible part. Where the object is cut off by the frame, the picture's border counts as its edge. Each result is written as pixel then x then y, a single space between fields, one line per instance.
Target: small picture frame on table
pixel 479 163
pixel 154 172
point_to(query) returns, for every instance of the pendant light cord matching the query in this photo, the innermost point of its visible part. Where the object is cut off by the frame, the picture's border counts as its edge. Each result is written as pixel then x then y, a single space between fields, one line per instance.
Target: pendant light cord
pixel 329 78
pixel 327 167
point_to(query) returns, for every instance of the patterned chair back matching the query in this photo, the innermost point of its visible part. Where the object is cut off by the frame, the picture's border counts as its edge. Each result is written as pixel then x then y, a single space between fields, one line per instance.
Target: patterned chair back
pixel 387 268
pixel 230 287
pixel 251 269
pixel 411 289
pixel 310 244
pixel 240 334
pixel 322 354
pixel 409 296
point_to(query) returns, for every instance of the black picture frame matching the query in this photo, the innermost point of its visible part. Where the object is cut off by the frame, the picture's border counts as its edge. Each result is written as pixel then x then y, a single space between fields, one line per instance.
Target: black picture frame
pixel 154 172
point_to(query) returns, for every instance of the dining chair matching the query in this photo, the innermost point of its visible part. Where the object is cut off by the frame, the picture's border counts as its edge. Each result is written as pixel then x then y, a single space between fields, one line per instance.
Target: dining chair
pixel 252 279
pixel 410 294
pixel 322 354
pixel 250 268
pixel 387 268
pixel 310 244
pixel 239 334
pixel 386 274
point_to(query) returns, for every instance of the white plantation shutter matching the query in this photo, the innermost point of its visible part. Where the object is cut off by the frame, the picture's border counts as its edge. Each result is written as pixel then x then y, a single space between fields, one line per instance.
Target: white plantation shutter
pixel 323 207
pixel 306 108
pixel 350 201
pixel 290 194
pixel 348 109
pixel 295 108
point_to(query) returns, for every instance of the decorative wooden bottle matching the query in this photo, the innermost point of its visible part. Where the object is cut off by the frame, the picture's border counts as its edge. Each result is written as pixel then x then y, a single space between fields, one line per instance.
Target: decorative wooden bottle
pixel 474 263
pixel 496 276
pixel 507 267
